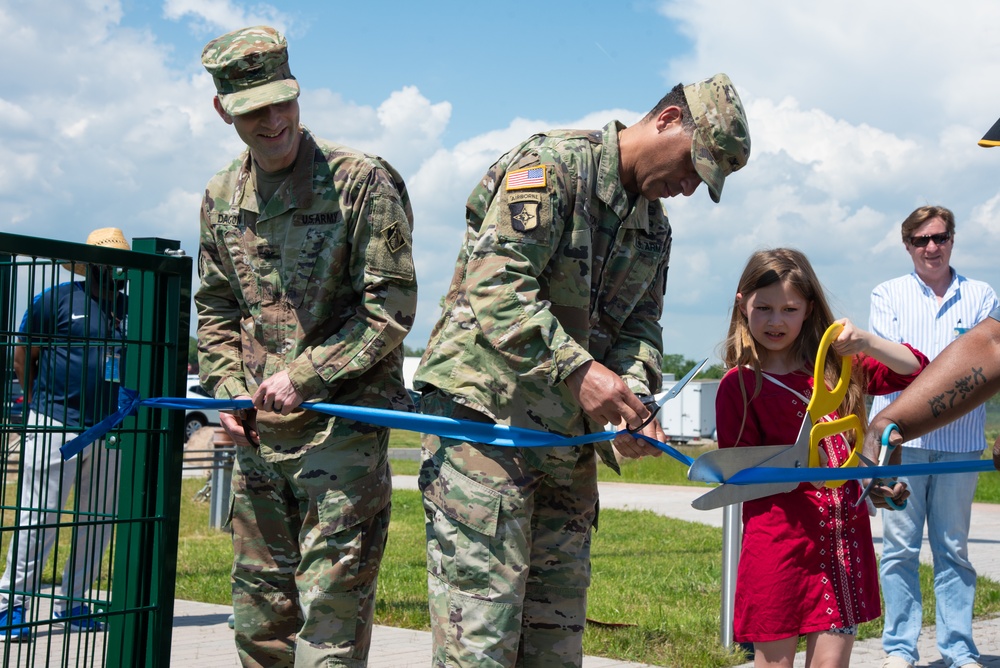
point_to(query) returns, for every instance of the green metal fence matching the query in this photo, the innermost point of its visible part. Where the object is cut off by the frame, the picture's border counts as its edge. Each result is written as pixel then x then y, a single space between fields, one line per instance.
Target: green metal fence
pixel 84 605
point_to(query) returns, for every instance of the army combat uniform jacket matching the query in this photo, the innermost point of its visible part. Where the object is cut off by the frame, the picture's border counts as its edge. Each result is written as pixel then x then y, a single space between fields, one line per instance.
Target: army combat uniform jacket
pixel 319 283
pixel 558 266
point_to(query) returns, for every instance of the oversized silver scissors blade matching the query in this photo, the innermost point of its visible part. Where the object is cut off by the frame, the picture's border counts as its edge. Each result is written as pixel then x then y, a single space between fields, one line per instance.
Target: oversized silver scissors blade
pixel 790 456
pixel 719 465
pixel 727 495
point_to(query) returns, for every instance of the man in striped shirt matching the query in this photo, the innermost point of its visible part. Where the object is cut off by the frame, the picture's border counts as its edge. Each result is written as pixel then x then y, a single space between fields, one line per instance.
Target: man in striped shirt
pixel 929 308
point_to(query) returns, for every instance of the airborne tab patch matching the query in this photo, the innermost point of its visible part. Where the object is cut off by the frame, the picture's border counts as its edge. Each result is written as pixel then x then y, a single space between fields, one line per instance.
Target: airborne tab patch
pixel 529 177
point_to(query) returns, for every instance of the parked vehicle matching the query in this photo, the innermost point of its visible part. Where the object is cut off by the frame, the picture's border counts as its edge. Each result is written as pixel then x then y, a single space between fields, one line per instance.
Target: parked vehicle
pixel 196 418
pixel 691 414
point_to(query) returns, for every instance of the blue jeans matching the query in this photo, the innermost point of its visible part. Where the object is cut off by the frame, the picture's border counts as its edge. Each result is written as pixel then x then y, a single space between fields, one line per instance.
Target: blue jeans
pixel 945 502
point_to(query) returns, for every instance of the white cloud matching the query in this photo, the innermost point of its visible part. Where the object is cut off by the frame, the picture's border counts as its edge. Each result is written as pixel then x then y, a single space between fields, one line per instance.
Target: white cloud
pixel 108 134
pixel 859 112
pixel 901 63
pixel 219 16
pixel 405 129
pixel 103 128
pixel 987 216
pixel 844 158
pixel 13 117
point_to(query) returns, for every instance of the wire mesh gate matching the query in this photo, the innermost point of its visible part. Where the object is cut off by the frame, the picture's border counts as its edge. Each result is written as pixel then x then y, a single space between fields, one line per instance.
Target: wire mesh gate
pixel 74 319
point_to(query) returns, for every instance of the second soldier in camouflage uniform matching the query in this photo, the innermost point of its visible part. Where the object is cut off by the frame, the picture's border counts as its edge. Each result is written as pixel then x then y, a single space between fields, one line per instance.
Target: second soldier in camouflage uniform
pixel 552 323
pixel 307 290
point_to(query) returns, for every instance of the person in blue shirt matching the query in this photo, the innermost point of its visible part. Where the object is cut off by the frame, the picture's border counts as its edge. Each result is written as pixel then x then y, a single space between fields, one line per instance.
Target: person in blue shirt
pixel 67 359
pixel 930 307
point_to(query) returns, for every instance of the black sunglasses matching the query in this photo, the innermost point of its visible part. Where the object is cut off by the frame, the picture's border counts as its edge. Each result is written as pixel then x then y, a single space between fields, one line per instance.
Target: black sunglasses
pixel 938 239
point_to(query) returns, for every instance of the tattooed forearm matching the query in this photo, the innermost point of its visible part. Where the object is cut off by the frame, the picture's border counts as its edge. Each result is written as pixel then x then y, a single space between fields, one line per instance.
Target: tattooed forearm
pixel 963 388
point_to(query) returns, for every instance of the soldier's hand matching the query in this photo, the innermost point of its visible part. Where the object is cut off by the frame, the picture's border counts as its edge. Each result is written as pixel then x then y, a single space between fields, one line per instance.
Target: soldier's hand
pixel 241 426
pixel 633 447
pixel 605 397
pixel 277 394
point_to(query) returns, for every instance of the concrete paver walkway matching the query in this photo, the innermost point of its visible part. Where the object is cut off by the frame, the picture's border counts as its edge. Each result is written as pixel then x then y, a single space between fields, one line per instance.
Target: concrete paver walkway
pixel 203 640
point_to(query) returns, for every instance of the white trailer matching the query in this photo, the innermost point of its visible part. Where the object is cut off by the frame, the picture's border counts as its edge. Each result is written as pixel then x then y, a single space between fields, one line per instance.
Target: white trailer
pixel 691 414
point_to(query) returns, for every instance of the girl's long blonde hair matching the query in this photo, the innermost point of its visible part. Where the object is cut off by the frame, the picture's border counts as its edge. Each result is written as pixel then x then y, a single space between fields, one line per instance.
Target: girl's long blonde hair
pixel 767 267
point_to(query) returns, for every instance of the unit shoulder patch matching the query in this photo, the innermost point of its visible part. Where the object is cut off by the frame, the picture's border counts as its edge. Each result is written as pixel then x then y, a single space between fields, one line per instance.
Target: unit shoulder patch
pixel 524 208
pixel 394 238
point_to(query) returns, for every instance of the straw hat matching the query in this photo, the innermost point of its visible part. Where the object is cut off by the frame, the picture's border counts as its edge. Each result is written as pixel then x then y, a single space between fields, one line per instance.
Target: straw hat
pixel 107 237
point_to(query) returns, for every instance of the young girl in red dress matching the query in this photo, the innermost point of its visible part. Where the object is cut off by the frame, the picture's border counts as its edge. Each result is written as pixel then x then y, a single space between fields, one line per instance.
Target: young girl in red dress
pixel 807 565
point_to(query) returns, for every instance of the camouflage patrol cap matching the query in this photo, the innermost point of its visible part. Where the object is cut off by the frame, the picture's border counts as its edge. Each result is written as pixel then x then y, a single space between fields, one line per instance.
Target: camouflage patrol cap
pixel 720 144
pixel 250 69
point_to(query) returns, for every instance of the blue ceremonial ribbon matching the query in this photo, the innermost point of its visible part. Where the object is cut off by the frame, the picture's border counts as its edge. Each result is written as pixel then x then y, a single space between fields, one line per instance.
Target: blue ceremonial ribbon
pixel 507 436
pixel 128 404
pixel 462 430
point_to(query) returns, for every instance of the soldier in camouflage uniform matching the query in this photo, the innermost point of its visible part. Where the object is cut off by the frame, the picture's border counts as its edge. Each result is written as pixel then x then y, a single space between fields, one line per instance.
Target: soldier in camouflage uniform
pixel 552 323
pixel 307 290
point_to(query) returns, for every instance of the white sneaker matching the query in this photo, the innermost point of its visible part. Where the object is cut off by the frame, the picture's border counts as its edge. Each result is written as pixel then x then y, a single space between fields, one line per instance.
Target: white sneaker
pixel 974 664
pixel 893 661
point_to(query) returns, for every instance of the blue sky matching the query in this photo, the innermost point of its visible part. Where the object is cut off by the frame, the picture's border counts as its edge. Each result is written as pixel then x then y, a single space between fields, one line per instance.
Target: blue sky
pixel 858 112
pixel 492 64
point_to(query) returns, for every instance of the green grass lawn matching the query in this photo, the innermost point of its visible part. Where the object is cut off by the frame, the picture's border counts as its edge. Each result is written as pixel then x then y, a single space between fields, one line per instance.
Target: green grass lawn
pixel 404 439
pixel 657 577
pixel 669 568
pixel 655 590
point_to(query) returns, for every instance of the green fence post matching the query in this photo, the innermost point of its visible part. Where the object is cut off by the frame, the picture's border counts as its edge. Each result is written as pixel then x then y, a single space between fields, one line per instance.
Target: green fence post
pixel 6 307
pixel 151 463
pixel 144 549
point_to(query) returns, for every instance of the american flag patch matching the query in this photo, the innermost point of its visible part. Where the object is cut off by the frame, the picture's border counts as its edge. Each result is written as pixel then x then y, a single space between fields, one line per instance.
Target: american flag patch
pixel 531 177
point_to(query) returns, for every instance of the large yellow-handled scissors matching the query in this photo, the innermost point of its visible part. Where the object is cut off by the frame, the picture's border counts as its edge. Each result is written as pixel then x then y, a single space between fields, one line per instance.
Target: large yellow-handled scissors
pixel 720 465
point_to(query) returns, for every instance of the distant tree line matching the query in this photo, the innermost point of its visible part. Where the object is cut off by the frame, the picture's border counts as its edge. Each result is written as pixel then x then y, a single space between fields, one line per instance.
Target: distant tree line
pixel 192 355
pixel 680 365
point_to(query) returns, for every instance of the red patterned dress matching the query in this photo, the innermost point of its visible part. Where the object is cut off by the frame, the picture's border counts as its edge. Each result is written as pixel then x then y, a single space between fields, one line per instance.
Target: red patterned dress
pixel 807 563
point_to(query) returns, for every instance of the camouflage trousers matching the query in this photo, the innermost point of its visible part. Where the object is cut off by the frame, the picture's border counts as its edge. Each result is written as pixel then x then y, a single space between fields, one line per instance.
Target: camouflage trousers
pixel 508 553
pixel 306 554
